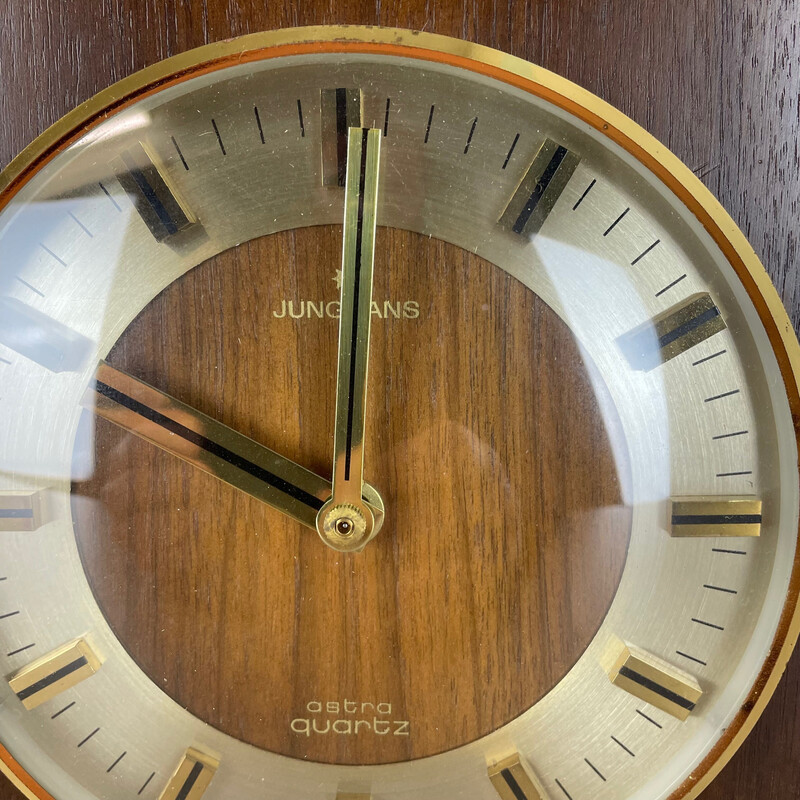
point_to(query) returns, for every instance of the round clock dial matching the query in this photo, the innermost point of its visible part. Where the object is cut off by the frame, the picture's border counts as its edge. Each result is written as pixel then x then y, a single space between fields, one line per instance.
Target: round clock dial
pixel 384 417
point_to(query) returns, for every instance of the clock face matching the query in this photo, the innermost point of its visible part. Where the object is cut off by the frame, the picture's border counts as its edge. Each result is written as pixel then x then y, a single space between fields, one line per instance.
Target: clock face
pixel 384 416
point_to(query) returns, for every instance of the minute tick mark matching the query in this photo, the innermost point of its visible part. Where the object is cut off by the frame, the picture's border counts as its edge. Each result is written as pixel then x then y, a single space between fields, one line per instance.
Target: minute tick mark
pixel 561 786
pixel 596 771
pixel 219 138
pixel 119 758
pixel 649 719
pixel 258 123
pixel 585 192
pixel 511 150
pixel 708 624
pixel 109 196
pixel 152 774
pixel 51 253
pixel 81 225
pixel 720 396
pixel 670 285
pixel 729 435
pixel 428 127
pixel 626 749
pixel 32 288
pixel 66 708
pixel 21 649
pixel 708 358
pixel 616 222
pixel 719 589
pixel 83 741
pixel 178 151
pixel 643 254
pixel 691 658
pixel 471 134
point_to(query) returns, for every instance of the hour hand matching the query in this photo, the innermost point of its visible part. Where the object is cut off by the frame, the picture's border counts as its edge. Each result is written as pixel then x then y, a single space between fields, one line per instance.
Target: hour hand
pixel 211 446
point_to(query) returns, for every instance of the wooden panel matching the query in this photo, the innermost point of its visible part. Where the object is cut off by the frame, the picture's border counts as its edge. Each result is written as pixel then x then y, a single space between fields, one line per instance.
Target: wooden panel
pixel 489 544
pixel 716 81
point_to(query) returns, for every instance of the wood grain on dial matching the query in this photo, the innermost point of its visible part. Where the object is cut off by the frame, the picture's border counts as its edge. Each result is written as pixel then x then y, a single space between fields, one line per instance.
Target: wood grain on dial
pixel 505 531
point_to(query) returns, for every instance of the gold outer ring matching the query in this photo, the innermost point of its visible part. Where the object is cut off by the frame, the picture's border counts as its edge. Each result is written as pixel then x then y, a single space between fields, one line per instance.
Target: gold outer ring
pixel 562 93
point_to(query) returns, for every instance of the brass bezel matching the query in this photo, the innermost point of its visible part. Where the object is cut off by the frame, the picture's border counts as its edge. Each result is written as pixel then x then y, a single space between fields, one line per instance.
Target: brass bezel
pixel 562 93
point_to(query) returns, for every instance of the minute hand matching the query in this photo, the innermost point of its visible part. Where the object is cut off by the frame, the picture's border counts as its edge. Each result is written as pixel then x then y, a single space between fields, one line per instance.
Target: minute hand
pixel 211 446
pixel 346 522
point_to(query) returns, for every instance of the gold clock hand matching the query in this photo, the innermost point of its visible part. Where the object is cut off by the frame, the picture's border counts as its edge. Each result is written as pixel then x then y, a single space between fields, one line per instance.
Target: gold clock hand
pixel 345 522
pixel 211 446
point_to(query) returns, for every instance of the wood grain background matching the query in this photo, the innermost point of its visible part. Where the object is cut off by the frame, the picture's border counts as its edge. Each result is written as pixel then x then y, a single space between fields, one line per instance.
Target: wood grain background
pixel 717 81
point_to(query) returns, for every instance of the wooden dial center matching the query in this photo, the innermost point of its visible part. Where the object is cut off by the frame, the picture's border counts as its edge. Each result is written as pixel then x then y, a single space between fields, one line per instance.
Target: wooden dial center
pixel 505 532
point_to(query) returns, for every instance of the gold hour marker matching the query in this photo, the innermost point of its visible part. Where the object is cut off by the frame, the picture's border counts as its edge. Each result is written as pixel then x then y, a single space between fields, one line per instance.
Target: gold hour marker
pixel 192 776
pixel 655 681
pixel 42 339
pixel 342 109
pixel 21 511
pixel 513 782
pixel 54 673
pixel 540 188
pixel 154 195
pixel 715 516
pixel 672 332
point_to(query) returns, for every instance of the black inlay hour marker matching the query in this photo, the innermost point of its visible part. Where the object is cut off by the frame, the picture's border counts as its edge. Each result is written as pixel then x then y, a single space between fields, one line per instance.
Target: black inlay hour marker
pixel 152 192
pixel 54 673
pixel 192 777
pixel 512 781
pixel 300 118
pixel 737 515
pixel 386 117
pixel 653 680
pixel 341 109
pixel 540 188
pixel 672 332
pixel 42 339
